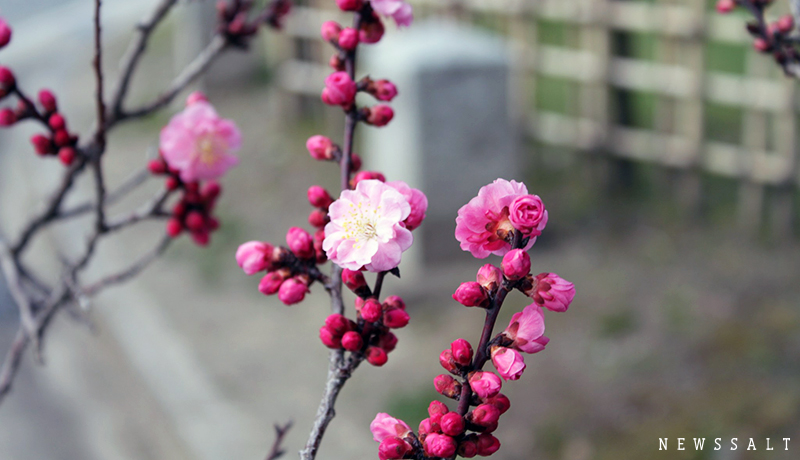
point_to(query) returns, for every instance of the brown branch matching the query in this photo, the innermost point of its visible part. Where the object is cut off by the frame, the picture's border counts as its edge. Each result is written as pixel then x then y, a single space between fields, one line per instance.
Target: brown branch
pixel 153 209
pixel 280 433
pixel 130 272
pixel 113 197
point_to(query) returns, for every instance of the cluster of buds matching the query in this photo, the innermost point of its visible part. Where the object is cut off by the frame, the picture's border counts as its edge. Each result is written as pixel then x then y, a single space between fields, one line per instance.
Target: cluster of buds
pixel 57 141
pixel 371 335
pixel 238 23
pixel 503 219
pixel 290 271
pixel 775 38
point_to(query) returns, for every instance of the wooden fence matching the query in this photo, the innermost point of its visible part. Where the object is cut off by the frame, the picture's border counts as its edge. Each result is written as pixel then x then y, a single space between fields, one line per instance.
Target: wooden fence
pixel 592 51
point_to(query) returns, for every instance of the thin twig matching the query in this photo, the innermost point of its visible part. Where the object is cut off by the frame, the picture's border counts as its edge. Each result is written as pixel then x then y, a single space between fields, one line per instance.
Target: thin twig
pixel 112 197
pixel 130 272
pixel 280 433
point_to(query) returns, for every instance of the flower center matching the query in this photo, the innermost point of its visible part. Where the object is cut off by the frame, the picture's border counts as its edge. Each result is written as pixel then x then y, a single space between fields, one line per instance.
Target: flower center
pixel 360 224
pixel 207 148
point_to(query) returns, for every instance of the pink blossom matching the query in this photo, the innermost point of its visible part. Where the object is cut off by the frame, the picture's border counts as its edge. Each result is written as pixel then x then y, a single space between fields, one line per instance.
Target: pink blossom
pixel 553 292
pixel 199 144
pixel 440 445
pixel 526 330
pixel 416 199
pixel 483 224
pixel 485 384
pixel 292 291
pixel 384 425
pixel 393 448
pixel 471 294
pixel 340 89
pixel 5 33
pixel 527 214
pixel 300 243
pixel 452 424
pixel 320 147
pixel 508 362
pixel 366 227
pixel 254 256
pixel 490 277
pixel 399 10
pixel 725 6
pixel 516 264
pixel 330 30
pixel 348 39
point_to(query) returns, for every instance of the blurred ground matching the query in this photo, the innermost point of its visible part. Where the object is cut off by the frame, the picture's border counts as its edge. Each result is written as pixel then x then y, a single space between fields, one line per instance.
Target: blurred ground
pixel 681 326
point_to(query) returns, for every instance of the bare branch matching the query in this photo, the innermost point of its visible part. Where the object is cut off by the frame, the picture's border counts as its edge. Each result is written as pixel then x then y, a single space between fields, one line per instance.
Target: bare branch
pixel 129 272
pixel 280 433
pixel 113 197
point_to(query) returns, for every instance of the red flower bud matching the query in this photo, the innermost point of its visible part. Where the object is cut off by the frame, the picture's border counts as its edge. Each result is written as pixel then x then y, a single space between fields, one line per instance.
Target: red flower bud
pixel 48 100
pixel 7 79
pixel 447 361
pixel 452 424
pixel 300 243
pixel 371 311
pixel 319 197
pixel 57 122
pixel 329 338
pixel 487 445
pixel 352 341
pixel 461 352
pixel 348 39
pixel 376 356
pixel 5 33
pixel 471 294
pixel 174 227
pixel 42 144
pixel 7 117
pixel 447 386
pixel 395 318
pixel 66 155
pixel 380 115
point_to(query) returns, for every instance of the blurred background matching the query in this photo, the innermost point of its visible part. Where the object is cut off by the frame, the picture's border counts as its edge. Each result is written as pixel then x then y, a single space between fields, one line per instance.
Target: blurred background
pixel 663 146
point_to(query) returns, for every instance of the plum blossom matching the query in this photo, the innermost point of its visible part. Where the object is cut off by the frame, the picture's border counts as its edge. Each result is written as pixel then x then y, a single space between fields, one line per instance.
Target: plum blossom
pixel 526 330
pixel 509 362
pixel 553 292
pixel 399 10
pixel 384 426
pixel 483 224
pixel 200 144
pixel 416 199
pixel 366 227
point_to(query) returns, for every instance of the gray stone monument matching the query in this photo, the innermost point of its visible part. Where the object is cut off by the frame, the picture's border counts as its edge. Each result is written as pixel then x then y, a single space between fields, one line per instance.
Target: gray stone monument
pixel 453 131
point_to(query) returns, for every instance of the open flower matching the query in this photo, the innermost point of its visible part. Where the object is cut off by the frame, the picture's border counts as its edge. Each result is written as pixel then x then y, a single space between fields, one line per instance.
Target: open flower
pixel 199 144
pixel 366 227
pixel 400 11
pixel 483 225
pixel 384 425
pixel 416 199
pixel 526 330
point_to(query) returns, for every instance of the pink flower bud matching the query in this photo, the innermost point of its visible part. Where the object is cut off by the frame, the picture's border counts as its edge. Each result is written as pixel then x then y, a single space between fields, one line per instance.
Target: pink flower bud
pixel 490 277
pixel 380 115
pixel 254 256
pixel 392 448
pixel 527 214
pixel 440 445
pixel 552 292
pixel 338 324
pixel 452 424
pixel 376 356
pixel 761 45
pixel 5 33
pixel 195 221
pixel 336 62
pixel 319 197
pixel 66 155
pixel 340 89
pixel 353 279
pixel 7 79
pixel 292 291
pixel 395 318
pixel 388 342
pixel 371 31
pixel 485 415
pixel 352 341
pixel 725 6
pixel 42 144
pixel 785 24
pixel 509 362
pixel 329 338
pixel 355 162
pixel 348 39
pixel 61 138
pixel 500 401
pixel 383 90
pixel 320 147
pixel 300 243
pixel 426 427
pixel 349 5
pixel 487 445
pixel 371 311
pixel 485 384
pixel 461 352
pixel 196 96
pixel 447 361
pixel 526 329
pixel 368 175
pixel 447 386
pixel 468 447
pixel 471 294
pixel 57 122
pixel 318 218
pixel 384 426
pixel 437 408
pixel 201 238
pixel 394 301
pixel 7 117
pixel 516 264
pixel 48 100
pixel 174 227
pixel 271 282
pixel 330 31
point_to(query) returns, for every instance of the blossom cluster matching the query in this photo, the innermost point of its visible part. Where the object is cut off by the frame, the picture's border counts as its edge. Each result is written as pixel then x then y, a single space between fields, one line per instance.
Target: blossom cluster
pixel 505 220
pixel 196 147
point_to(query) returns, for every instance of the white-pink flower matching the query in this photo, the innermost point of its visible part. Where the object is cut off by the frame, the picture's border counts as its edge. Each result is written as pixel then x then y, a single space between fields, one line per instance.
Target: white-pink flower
pixel 366 227
pixel 399 10
pixel 416 199
pixel 200 144
pixel 384 426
